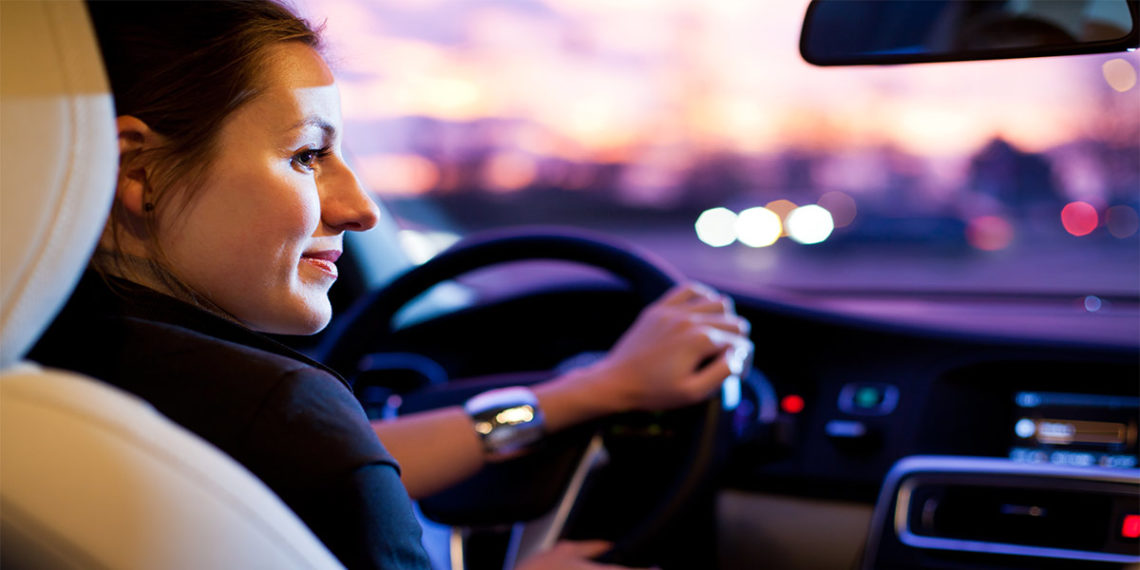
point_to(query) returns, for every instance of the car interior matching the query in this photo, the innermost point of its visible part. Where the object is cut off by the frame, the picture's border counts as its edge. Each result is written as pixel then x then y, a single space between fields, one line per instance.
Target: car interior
pixel 875 429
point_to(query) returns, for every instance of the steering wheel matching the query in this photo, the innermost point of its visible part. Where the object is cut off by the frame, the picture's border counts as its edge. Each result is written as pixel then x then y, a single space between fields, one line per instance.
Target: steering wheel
pixel 526 488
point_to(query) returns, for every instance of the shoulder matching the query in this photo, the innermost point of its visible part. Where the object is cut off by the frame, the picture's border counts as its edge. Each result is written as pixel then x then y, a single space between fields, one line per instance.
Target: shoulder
pixel 290 422
pixel 211 385
pixel 309 429
pixel 255 399
pixel 275 405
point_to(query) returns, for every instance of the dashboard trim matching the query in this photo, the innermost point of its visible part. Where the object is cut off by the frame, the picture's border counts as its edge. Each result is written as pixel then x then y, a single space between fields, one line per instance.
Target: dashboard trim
pixel 938 465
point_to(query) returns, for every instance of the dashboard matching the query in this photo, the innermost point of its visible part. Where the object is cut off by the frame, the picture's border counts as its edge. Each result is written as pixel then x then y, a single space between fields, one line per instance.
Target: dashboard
pixel 851 416
pixel 868 392
pixel 991 409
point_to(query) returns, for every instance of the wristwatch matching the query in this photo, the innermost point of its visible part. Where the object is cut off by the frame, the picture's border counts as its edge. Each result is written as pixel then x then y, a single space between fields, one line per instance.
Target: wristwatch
pixel 506 419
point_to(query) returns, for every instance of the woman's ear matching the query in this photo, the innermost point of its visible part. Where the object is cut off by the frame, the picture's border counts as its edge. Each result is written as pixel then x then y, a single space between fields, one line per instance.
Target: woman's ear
pixel 134 191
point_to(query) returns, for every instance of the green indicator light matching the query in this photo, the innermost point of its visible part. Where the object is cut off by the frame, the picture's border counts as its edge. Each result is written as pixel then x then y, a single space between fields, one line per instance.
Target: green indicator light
pixel 868 397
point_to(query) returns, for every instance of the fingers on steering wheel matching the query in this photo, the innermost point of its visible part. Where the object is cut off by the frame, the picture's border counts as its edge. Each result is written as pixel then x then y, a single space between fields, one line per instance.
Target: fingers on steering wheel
pixel 730 341
pixel 583 551
pixel 698 298
pixel 726 322
pixel 720 305
pixel 584 548
pixel 688 293
pixel 710 377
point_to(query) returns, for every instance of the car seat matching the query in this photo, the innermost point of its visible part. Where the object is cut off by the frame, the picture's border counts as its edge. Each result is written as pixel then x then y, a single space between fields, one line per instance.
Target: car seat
pixel 89 475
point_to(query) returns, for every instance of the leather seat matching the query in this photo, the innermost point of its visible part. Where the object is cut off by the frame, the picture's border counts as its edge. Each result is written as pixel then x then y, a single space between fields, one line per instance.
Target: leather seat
pixel 91 476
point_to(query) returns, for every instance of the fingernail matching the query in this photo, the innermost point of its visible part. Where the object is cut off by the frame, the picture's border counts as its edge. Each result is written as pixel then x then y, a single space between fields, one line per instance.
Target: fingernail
pixel 736 362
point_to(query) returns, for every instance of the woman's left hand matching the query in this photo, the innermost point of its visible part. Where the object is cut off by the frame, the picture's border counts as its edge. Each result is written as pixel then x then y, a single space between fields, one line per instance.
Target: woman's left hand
pixel 570 555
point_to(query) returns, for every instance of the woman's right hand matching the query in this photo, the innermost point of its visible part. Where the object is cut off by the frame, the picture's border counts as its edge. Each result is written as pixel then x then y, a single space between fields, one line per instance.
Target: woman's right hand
pixel 569 555
pixel 677 352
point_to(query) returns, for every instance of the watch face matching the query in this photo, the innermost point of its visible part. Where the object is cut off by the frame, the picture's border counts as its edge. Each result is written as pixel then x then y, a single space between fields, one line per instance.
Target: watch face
pixel 507 420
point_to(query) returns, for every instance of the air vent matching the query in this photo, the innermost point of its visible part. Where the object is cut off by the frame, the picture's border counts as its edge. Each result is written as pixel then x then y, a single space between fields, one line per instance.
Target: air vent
pixel 998 507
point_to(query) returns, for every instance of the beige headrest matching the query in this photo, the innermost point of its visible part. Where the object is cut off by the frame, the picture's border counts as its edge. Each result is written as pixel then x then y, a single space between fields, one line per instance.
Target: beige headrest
pixel 58 160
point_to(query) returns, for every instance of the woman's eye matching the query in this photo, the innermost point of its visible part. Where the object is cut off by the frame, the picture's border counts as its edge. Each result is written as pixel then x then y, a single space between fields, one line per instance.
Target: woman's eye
pixel 308 158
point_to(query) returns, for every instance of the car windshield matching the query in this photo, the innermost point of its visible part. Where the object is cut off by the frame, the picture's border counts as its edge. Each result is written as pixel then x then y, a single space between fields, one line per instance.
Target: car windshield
pixel 694 129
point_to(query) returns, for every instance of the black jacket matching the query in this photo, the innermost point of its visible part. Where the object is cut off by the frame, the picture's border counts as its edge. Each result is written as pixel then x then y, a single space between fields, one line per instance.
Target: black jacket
pixel 290 420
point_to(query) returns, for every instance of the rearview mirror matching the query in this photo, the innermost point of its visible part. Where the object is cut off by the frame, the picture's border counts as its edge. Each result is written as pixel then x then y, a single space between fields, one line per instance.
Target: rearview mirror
pixel 878 32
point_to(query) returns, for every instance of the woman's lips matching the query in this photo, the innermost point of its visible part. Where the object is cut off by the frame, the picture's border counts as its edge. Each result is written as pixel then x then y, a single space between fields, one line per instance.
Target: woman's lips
pixel 323 260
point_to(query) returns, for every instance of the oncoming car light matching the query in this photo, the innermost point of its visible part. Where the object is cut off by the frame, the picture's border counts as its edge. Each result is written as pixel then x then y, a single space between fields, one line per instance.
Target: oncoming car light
pixel 717 227
pixel 758 227
pixel 762 226
pixel 810 224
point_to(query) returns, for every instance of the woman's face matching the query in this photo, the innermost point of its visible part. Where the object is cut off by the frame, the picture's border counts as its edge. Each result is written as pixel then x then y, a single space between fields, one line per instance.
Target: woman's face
pixel 261 236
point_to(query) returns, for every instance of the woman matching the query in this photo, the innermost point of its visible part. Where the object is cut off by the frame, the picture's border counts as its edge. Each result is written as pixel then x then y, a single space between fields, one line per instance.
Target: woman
pixel 232 202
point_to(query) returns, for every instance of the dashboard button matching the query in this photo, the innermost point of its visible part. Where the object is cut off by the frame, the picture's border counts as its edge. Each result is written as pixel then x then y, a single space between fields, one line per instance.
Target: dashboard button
pixel 852 436
pixel 868 398
pixel 846 429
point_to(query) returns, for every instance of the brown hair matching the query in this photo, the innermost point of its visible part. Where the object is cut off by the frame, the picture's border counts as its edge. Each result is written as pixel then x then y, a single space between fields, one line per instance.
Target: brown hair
pixel 183 67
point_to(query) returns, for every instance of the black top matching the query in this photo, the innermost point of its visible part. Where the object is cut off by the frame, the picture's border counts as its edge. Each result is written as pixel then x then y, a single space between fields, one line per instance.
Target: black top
pixel 290 420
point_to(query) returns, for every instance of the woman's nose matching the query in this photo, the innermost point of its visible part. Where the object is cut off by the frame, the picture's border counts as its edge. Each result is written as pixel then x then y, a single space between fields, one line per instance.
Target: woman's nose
pixel 345 205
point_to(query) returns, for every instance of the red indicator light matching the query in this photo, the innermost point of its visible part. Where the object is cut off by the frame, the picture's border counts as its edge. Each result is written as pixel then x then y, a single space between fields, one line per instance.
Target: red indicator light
pixel 792 404
pixel 1131 526
pixel 1079 218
